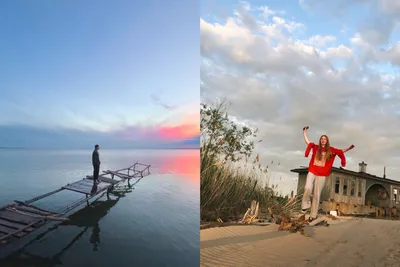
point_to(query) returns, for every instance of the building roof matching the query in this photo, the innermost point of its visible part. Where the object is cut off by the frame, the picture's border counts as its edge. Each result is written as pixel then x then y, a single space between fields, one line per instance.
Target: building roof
pixel 349 172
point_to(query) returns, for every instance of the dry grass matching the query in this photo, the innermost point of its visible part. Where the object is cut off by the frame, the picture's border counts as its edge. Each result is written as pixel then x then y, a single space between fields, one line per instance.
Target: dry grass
pixel 227 192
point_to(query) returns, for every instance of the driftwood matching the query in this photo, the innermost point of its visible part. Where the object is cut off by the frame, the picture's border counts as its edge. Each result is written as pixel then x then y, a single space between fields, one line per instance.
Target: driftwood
pixel 251 213
pixel 297 225
pixel 293 225
pixel 330 216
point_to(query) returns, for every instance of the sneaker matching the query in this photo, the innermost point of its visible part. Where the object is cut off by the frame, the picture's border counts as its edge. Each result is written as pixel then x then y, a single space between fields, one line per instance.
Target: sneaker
pixel 310 219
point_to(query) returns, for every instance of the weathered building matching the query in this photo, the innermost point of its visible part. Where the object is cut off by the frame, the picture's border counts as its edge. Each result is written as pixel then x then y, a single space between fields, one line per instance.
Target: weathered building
pixel 356 192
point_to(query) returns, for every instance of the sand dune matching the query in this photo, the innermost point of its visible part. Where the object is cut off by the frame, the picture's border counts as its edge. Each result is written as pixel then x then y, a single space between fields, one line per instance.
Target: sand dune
pixel 348 242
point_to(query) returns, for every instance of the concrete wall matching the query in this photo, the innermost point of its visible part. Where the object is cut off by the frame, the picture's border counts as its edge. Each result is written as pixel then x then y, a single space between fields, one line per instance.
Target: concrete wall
pixel 351 189
pixel 395 198
pixel 348 208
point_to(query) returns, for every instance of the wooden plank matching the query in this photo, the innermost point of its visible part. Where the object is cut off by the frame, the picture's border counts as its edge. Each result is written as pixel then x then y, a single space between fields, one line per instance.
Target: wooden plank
pixel 85 190
pixel 26 213
pixel 122 175
pixel 14 225
pixel 79 187
pixel 76 189
pixel 42 196
pixel 21 229
pixel 21 203
pixel 34 211
pixel 15 217
pixel 33 207
pixel 109 180
pixel 82 183
pixel 7 231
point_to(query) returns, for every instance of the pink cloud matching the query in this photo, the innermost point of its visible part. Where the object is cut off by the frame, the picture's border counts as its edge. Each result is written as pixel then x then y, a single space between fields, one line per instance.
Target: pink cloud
pixel 160 133
pixel 178 132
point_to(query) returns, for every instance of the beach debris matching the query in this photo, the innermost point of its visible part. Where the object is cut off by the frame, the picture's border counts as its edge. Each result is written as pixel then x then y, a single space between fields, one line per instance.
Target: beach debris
pixel 322 223
pixel 293 225
pixel 251 213
pixel 333 212
pixel 330 216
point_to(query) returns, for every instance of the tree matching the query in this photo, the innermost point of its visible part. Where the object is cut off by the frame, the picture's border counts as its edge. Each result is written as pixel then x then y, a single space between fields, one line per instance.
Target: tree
pixel 221 137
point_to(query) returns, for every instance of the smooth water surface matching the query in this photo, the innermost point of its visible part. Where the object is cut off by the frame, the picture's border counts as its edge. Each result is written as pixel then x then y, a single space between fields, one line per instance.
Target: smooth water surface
pixel 154 222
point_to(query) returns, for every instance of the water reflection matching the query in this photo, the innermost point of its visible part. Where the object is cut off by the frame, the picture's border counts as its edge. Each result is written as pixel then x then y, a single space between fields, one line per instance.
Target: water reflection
pixel 87 218
pixel 186 163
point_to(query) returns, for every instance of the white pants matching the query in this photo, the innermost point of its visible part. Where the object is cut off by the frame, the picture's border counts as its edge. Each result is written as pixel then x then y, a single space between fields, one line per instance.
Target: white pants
pixel 318 183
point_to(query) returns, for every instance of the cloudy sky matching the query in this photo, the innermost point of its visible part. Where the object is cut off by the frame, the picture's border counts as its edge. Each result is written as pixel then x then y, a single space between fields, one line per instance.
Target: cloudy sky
pixel 332 65
pixel 119 73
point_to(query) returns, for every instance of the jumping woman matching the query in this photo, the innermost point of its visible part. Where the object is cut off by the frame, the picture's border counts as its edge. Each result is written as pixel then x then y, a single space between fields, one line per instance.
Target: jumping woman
pixel 323 156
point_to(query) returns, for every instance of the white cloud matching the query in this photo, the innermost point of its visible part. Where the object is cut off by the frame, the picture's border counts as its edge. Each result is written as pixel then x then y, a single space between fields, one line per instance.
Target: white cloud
pixel 279 83
pixel 340 51
pixel 321 41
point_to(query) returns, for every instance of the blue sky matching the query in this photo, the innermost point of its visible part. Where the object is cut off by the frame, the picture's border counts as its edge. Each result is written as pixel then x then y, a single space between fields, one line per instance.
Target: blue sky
pixel 331 65
pixel 99 67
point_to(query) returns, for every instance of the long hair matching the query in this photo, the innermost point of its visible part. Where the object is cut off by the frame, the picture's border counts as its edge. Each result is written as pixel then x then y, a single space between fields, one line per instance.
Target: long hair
pixel 328 152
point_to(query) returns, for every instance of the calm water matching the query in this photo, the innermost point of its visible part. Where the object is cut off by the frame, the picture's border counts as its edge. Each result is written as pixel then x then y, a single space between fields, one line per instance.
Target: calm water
pixel 152 223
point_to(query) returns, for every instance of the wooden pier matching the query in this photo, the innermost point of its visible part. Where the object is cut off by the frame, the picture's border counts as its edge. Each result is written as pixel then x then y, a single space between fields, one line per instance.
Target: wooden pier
pixel 87 218
pixel 22 218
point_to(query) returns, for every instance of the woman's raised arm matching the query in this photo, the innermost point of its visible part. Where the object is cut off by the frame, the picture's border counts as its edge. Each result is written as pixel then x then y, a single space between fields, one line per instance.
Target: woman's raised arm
pixel 305 135
pixel 347 149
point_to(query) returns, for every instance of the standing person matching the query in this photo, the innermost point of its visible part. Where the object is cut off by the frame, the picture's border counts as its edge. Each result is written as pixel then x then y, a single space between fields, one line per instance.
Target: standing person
pixel 320 166
pixel 96 164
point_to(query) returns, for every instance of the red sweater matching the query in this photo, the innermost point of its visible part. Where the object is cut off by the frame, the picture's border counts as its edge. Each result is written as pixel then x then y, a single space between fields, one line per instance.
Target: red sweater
pixel 320 168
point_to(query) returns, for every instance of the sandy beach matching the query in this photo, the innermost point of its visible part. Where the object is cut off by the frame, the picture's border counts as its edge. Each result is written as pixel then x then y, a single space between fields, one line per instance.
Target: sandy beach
pixel 346 242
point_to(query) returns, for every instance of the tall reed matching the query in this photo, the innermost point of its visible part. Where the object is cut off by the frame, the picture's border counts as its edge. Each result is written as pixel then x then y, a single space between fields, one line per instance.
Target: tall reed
pixel 227 191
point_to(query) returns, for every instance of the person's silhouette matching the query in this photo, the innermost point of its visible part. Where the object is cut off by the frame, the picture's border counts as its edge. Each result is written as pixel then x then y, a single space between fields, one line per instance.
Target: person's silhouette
pixel 95 237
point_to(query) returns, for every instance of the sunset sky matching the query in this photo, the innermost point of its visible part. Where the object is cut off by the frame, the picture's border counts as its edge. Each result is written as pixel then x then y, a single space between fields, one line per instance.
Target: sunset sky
pixel 119 73
pixel 332 65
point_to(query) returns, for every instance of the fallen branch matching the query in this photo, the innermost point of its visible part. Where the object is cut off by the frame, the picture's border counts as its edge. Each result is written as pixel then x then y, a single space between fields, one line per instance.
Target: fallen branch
pixel 293 225
pixel 251 213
